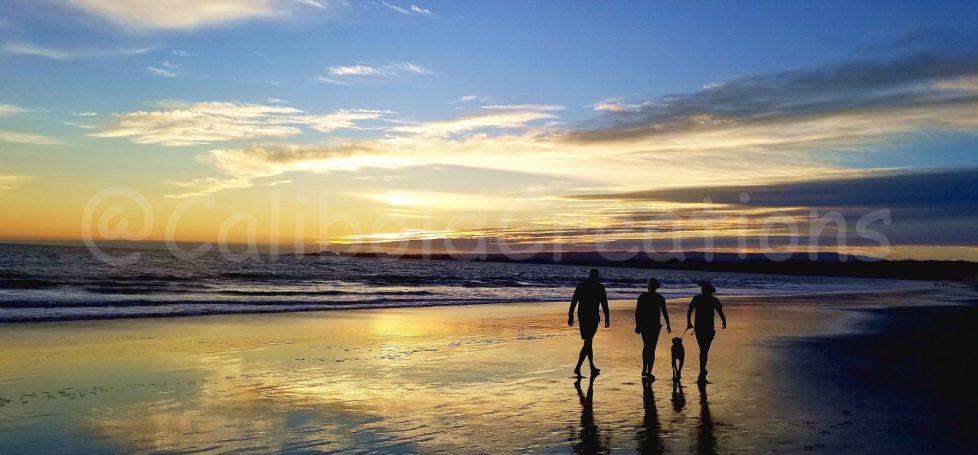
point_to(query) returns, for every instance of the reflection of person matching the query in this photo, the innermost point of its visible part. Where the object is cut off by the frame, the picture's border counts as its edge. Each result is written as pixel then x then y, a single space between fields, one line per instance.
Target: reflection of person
pixel 589 295
pixel 704 305
pixel 706 441
pixel 647 322
pixel 590 439
pixel 649 436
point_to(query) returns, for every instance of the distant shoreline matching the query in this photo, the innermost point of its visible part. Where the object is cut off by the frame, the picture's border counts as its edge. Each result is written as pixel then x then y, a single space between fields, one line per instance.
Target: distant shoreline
pixel 799 264
pixel 734 298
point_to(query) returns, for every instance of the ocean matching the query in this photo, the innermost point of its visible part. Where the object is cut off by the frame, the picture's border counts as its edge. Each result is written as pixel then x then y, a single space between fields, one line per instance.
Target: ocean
pixel 48 283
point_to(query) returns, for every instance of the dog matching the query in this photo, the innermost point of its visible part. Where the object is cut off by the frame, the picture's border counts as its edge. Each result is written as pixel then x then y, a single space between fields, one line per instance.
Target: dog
pixel 678 357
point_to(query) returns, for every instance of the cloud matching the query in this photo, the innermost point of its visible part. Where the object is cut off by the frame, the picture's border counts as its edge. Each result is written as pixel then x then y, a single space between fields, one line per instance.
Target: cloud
pixel 469 99
pixel 420 10
pixel 332 81
pixel 952 190
pixel 405 67
pixel 791 121
pixel 856 104
pixel 27 138
pixel 515 118
pixel 616 106
pixel 386 70
pixel 9 182
pixel 935 206
pixel 318 4
pixel 186 124
pixel 8 109
pixel 29 49
pixel 355 70
pixel 161 72
pixel 181 14
pixel 410 10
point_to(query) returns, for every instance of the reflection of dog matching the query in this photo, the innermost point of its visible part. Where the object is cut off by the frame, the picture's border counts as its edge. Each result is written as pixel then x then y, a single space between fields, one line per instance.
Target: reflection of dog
pixel 678 357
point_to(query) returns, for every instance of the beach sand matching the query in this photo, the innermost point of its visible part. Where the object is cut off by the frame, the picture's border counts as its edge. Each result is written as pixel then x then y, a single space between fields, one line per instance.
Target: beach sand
pixel 790 374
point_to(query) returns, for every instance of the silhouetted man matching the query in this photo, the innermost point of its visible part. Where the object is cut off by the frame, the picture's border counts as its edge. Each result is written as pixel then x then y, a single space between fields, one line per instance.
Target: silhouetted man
pixel 648 323
pixel 704 305
pixel 589 294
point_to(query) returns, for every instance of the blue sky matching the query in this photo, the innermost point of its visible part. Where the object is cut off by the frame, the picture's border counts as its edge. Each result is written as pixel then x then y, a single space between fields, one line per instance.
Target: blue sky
pixel 335 94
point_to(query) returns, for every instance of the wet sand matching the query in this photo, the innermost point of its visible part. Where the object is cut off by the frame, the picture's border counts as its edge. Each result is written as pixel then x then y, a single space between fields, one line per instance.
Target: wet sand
pixel 489 379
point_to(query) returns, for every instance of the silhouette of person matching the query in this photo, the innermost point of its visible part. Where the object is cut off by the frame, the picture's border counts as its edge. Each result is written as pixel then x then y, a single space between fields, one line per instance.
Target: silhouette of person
pixel 589 294
pixel 704 305
pixel 648 437
pixel 589 439
pixel 648 324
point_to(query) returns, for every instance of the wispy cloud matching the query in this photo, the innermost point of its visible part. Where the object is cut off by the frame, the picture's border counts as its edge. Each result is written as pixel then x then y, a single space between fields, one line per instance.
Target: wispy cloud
pixel 187 124
pixel 332 81
pixel 470 99
pixel 161 72
pixel 169 69
pixel 386 70
pixel 181 14
pixel 420 10
pixel 409 10
pixel 9 182
pixel 27 138
pixel 318 4
pixel 356 70
pixel 615 105
pixel 8 109
pixel 35 50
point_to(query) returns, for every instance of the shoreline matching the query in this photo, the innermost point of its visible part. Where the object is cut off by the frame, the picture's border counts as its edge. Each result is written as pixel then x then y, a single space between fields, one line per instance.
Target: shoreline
pixel 366 306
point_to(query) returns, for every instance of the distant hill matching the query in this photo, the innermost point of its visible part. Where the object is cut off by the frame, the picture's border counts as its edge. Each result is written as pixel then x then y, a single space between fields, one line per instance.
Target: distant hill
pixel 826 264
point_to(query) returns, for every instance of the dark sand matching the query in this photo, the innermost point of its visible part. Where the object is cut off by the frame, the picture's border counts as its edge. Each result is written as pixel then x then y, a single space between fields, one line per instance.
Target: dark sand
pixel 856 373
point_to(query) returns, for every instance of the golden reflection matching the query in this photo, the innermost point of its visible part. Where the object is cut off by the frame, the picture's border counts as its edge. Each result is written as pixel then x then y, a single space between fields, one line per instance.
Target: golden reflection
pixel 409 380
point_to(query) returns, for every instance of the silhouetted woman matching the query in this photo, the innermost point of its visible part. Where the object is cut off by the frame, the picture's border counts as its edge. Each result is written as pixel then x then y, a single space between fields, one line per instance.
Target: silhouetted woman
pixel 704 305
pixel 647 322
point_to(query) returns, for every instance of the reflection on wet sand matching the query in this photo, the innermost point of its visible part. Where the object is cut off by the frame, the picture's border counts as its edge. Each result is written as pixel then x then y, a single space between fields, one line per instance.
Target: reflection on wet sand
pixel 478 379
pixel 587 438
pixel 649 435
pixel 706 441
pixel 678 397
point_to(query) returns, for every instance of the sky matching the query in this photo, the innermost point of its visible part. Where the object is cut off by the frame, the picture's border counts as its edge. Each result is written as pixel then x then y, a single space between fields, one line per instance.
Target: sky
pixel 492 126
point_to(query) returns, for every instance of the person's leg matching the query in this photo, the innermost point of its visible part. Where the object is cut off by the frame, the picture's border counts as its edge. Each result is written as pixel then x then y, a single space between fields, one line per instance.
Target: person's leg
pixel 580 357
pixel 652 343
pixel 705 340
pixel 590 352
pixel 646 347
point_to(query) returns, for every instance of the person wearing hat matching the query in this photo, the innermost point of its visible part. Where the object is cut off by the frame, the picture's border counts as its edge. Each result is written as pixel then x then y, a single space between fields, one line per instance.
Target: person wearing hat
pixel 589 294
pixel 704 305
pixel 648 324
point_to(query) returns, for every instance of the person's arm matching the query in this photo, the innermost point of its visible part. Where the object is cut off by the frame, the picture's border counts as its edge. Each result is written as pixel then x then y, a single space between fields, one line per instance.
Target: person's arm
pixel 665 313
pixel 689 314
pixel 723 317
pixel 570 313
pixel 604 305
